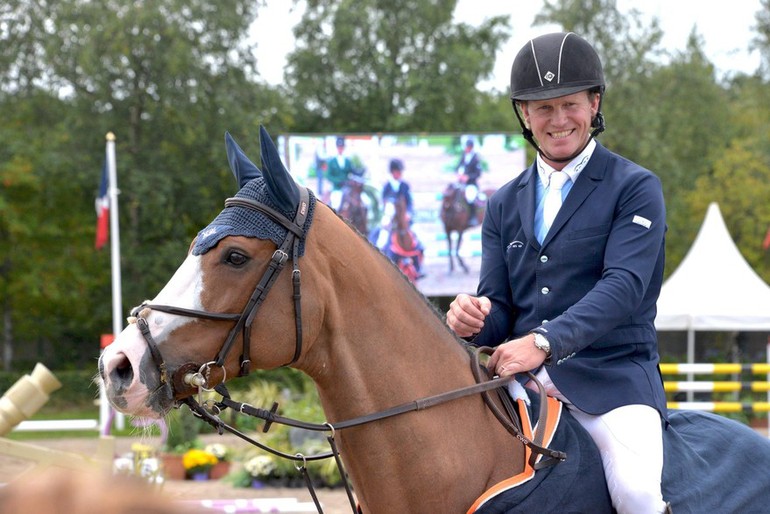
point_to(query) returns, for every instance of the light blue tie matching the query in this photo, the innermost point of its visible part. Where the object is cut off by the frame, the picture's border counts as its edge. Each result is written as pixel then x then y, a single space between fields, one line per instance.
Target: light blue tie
pixel 553 200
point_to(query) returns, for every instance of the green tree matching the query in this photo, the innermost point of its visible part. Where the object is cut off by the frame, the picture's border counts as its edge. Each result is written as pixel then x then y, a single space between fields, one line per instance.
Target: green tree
pixel 46 283
pixel 691 109
pixel 168 78
pixel 666 117
pixel 740 184
pixel 370 65
pixel 762 40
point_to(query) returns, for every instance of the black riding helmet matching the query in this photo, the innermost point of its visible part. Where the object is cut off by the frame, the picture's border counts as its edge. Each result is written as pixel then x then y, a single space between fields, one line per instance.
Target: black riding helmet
pixel 396 165
pixel 555 65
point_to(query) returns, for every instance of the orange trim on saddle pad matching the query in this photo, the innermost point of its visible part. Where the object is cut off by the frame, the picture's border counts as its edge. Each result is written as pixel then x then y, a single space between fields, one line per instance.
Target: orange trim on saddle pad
pixel 551 423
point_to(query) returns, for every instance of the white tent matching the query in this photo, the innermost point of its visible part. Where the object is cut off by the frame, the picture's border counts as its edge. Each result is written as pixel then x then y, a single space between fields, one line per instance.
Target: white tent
pixel 713 289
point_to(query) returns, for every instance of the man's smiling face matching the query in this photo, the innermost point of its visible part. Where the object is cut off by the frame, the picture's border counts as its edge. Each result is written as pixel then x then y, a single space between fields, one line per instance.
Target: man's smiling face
pixel 561 125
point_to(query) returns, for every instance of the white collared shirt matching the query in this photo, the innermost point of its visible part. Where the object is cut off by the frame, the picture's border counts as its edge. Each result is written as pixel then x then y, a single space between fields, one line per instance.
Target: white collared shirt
pixel 572 169
pixel 544 170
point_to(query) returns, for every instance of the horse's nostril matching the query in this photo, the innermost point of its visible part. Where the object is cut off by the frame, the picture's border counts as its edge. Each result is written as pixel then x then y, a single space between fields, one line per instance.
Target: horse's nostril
pixel 122 372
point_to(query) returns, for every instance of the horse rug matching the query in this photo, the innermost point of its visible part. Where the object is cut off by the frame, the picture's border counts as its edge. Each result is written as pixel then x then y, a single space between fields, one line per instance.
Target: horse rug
pixel 711 464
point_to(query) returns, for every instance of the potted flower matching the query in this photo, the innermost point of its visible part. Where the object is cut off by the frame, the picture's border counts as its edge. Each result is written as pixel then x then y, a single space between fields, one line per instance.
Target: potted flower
pixel 222 453
pixel 198 463
pixel 259 468
pixel 142 462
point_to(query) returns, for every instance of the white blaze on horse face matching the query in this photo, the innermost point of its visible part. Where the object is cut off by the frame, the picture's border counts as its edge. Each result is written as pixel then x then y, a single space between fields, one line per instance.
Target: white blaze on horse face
pixel 183 290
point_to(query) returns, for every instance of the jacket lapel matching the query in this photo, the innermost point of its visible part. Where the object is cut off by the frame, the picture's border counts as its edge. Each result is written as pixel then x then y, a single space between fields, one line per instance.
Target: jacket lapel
pixel 525 198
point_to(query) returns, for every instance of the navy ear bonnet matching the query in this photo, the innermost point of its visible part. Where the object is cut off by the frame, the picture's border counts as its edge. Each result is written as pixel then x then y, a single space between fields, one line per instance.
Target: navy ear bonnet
pixel 274 188
pixel 242 221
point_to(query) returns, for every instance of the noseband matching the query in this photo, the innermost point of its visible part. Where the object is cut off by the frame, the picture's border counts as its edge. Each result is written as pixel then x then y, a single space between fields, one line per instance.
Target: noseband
pixel 243 321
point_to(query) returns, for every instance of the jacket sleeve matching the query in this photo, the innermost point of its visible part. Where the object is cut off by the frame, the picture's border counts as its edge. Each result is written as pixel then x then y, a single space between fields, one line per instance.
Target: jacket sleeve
pixel 494 282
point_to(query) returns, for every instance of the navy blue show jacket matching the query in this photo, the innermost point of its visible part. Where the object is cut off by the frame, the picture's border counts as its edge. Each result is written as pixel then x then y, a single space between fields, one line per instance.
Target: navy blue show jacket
pixel 591 288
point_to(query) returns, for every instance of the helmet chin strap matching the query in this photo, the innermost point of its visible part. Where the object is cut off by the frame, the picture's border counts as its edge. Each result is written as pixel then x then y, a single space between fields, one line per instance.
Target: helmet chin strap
pixel 597 123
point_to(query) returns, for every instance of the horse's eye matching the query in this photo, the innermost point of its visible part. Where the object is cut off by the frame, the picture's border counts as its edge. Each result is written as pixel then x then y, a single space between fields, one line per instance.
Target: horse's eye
pixel 236 258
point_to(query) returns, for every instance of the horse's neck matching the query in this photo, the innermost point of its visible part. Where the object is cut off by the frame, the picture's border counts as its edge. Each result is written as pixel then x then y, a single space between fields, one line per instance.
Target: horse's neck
pixel 382 345
pixel 375 320
pixel 387 345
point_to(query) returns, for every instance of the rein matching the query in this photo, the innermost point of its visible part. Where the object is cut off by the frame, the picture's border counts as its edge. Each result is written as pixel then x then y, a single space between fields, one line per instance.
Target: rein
pixel 480 387
pixel 508 419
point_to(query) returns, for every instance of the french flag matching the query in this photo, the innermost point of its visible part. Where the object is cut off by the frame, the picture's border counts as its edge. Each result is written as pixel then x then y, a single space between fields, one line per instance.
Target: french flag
pixel 102 211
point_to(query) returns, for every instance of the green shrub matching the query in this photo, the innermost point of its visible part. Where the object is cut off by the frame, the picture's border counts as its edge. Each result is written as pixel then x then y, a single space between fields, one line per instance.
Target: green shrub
pixel 300 402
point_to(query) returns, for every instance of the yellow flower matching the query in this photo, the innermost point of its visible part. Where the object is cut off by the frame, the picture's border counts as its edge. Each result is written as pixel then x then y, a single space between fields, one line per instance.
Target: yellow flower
pixel 198 460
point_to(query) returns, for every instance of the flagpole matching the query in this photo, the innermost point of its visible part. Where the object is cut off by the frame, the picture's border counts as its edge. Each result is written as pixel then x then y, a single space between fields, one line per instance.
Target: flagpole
pixel 117 305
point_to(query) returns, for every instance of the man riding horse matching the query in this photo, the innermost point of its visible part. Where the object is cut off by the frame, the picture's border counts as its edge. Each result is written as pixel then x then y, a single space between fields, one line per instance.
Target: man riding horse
pixel 569 291
pixel 468 171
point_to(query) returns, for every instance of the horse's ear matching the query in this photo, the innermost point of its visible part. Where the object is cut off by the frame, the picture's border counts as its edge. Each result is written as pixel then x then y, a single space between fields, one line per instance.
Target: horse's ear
pixel 243 169
pixel 283 189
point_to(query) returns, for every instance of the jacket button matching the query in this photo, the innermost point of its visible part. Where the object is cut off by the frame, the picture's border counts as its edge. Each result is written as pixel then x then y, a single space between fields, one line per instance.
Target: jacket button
pixel 545 290
pixel 543 258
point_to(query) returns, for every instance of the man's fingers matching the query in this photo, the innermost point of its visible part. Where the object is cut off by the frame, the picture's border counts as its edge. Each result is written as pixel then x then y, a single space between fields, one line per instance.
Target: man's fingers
pixel 484 305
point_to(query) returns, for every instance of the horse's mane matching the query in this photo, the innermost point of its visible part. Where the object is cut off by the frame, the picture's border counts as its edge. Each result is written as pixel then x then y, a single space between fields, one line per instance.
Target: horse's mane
pixel 436 312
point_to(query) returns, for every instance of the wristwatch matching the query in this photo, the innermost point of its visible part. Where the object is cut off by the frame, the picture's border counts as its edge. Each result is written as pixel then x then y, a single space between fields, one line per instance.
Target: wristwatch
pixel 541 343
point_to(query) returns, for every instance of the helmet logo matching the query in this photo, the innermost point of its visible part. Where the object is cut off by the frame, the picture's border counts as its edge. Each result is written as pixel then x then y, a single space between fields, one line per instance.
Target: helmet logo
pixel 549 76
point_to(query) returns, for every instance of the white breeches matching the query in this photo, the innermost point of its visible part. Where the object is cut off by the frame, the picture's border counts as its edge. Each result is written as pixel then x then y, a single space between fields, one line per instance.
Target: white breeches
pixel 471 192
pixel 630 441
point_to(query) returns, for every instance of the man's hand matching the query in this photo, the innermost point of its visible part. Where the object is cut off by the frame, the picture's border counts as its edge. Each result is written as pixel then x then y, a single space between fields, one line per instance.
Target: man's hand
pixel 467 313
pixel 516 356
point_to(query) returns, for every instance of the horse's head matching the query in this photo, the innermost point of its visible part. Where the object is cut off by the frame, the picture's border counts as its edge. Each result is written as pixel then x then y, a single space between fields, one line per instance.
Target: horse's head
pixel 401 216
pixel 451 194
pixel 200 326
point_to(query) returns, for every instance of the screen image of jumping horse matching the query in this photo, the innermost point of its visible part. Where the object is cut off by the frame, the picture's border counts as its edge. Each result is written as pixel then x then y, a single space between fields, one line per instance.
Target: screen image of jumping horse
pixel 405 401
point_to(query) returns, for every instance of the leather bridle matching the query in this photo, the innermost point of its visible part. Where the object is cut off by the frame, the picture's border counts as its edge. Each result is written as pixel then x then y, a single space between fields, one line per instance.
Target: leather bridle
pixel 289 248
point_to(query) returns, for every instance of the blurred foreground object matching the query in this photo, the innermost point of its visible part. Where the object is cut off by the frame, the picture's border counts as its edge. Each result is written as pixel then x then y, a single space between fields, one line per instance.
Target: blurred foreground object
pixel 55 491
pixel 25 397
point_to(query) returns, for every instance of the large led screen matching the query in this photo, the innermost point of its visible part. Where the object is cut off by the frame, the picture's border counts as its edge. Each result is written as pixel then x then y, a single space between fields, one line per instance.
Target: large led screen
pixel 430 164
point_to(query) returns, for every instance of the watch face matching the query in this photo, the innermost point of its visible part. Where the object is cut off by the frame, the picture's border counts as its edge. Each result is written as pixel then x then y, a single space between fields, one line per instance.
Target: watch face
pixel 542 344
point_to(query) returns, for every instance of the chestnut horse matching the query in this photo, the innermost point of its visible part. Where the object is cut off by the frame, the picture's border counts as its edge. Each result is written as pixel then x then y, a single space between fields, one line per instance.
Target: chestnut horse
pixel 456 217
pixel 363 355
pixel 334 319
pixel 404 248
